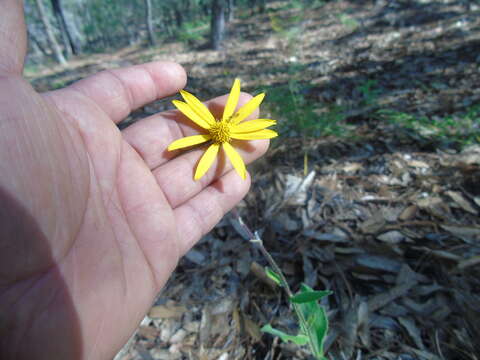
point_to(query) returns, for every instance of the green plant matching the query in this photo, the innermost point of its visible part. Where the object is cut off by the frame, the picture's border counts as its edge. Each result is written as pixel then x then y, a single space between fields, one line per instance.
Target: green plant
pixel 30 69
pixel 288 28
pixel 457 130
pixel 300 116
pixel 312 317
pixel 282 24
pixel 348 21
pixel 302 4
pixel 59 84
pixel 369 92
pixel 192 32
pixel 145 57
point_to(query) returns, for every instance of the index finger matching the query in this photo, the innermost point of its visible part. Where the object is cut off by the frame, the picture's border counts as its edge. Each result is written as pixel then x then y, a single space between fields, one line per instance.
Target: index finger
pixel 117 92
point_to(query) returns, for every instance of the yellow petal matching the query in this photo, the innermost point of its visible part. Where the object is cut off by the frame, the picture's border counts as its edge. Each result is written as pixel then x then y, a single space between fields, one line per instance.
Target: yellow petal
pixel 188 141
pixel 198 106
pixel 192 115
pixel 248 108
pixel 253 125
pixel 232 100
pixel 261 134
pixel 206 160
pixel 236 160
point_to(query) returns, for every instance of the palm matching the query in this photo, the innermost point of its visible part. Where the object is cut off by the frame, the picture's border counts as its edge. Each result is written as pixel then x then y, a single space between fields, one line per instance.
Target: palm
pixel 105 215
pixel 117 248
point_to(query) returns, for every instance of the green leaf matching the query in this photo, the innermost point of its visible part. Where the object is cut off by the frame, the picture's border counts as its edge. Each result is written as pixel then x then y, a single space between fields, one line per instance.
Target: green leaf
pixel 299 339
pixel 309 296
pixel 317 322
pixel 274 276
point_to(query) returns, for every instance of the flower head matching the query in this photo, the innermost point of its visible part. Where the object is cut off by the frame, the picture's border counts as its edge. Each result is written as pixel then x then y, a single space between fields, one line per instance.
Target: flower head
pixel 220 132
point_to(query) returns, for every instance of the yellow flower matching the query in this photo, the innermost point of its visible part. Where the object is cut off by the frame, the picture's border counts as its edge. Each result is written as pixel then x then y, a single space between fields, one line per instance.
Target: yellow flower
pixel 221 131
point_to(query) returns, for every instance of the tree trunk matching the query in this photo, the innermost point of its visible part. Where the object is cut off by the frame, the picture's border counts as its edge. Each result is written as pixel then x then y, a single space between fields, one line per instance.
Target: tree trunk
pixel 37 44
pixel 217 28
pixel 63 33
pixel 75 25
pixel 70 43
pixel 231 10
pixel 187 9
pixel 178 16
pixel 262 6
pixel 148 19
pixel 33 40
pixel 167 22
pixel 251 5
pixel 57 52
pixel 205 9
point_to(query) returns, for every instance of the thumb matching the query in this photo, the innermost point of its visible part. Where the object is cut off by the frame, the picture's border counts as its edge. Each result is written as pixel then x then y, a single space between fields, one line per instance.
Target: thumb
pixel 13 38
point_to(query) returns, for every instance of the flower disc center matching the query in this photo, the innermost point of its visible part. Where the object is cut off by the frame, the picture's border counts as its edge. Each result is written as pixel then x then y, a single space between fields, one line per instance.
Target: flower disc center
pixel 220 132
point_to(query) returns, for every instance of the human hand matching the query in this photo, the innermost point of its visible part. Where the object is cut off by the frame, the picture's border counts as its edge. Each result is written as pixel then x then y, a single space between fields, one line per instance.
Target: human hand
pixel 93 220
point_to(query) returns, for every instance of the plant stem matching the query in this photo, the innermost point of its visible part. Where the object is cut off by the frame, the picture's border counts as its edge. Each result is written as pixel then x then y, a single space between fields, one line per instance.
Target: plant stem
pixel 258 241
pixel 255 239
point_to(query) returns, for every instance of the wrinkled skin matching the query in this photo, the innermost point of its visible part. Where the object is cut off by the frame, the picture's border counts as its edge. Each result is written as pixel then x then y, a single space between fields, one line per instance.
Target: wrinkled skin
pixel 93 220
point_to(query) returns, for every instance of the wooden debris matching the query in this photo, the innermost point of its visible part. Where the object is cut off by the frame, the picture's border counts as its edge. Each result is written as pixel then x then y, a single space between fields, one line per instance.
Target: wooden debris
pixel 167 311
pixel 383 299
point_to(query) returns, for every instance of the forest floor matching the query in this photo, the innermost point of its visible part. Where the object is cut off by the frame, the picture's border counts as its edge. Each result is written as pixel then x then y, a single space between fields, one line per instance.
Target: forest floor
pixel 381 205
